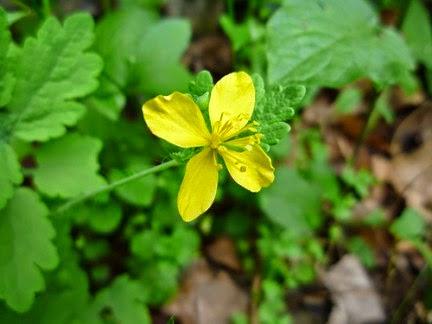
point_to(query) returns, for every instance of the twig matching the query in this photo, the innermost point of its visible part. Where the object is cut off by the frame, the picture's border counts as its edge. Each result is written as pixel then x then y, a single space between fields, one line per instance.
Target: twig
pixel 109 187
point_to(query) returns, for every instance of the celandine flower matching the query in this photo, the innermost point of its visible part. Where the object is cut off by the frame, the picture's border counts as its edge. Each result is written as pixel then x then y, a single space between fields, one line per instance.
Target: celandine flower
pixel 177 119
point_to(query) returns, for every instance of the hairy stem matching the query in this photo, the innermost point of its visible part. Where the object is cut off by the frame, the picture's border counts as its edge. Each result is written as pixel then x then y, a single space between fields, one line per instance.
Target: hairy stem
pixel 161 167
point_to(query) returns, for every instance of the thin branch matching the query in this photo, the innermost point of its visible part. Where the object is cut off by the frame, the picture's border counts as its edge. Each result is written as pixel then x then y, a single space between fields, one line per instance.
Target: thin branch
pixel 71 203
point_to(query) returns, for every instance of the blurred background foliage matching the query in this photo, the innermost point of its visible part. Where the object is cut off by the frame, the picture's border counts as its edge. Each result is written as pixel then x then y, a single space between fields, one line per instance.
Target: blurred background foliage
pixel 352 196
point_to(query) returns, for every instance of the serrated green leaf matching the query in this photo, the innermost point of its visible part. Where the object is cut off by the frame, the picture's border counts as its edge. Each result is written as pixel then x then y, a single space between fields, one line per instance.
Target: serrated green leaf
pixel 292 202
pixel 10 174
pixel 122 302
pixel 6 79
pixel 43 100
pixel 67 167
pixel 201 83
pixel 276 107
pixel 25 248
pixel 274 132
pixel 409 226
pixel 312 41
pixel 417 30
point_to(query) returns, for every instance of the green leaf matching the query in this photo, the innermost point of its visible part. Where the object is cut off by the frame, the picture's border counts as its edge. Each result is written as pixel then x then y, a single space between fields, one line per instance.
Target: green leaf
pixel 139 192
pixel 67 167
pixel 238 33
pixel 43 100
pixel 122 302
pixel 107 99
pixel 67 295
pixel 25 248
pixel 6 79
pixel 160 279
pixel 276 107
pixel 292 202
pixel 158 67
pixel 362 250
pixel 382 108
pixel 117 37
pixel 180 247
pixel 102 218
pixel 348 100
pixel 409 226
pixel 359 180
pixel 14 16
pixel 10 174
pixel 417 30
pixel 333 42
pixel 201 83
pixel 142 54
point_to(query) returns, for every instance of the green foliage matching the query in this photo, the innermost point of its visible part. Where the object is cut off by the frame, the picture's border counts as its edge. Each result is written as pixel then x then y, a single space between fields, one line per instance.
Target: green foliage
pixel 43 99
pixel 409 226
pixel 412 227
pixel 26 247
pixel 274 107
pixel 359 247
pixel 108 99
pixel 272 309
pixel 101 218
pixel 6 79
pixel 140 192
pixel 296 206
pixel 141 53
pixel 202 83
pixel 348 100
pixel 70 117
pixel 68 166
pixel 417 30
pixel 200 88
pixel 11 173
pixel 67 295
pixel 312 41
pixel 122 302
pixel 360 180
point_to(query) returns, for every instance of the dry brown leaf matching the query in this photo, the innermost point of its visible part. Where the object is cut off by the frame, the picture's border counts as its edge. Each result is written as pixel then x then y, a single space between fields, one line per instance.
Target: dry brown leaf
pixel 223 251
pixel 411 165
pixel 207 297
pixel 353 294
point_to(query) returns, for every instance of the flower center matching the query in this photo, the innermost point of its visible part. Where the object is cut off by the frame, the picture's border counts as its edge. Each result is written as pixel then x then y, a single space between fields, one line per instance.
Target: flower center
pixel 215 141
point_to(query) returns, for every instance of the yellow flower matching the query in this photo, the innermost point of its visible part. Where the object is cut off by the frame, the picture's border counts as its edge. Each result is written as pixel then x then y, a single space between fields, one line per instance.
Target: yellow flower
pixel 177 119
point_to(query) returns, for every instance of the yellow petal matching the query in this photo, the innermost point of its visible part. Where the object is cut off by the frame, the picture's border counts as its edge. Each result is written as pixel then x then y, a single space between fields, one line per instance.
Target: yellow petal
pixel 198 189
pixel 177 119
pixel 251 169
pixel 232 101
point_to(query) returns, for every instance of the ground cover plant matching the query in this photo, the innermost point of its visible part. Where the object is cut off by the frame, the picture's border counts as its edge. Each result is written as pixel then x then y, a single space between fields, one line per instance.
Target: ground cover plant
pixel 179 161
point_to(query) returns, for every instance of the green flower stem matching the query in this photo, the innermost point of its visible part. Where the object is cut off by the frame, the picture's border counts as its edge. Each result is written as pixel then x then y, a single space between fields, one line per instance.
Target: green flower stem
pixel 161 167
